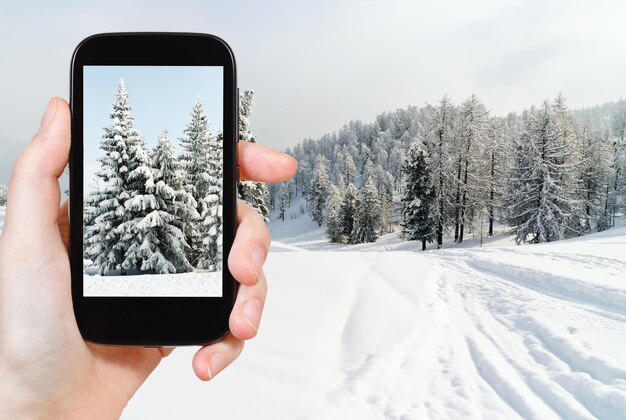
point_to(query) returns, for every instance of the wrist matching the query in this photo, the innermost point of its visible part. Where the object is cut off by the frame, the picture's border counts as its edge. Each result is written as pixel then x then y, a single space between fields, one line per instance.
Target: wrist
pixel 20 404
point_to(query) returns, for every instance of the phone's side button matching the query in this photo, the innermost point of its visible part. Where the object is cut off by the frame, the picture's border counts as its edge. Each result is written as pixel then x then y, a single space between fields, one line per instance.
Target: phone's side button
pixel 238 173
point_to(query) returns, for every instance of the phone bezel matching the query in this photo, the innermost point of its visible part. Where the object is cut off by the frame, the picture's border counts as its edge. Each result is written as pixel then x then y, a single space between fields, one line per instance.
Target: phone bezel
pixel 153 321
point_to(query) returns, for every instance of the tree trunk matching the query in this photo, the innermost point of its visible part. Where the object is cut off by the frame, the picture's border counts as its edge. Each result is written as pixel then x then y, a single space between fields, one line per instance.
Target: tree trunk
pixel 464 200
pixel 424 244
pixel 457 201
pixel 492 192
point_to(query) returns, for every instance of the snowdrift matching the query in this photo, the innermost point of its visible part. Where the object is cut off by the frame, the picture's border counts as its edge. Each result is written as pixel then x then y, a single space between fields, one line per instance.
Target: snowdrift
pixel 503 332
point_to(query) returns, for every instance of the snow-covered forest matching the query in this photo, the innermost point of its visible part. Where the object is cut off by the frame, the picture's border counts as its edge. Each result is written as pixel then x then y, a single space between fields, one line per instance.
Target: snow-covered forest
pixel 160 210
pixel 447 170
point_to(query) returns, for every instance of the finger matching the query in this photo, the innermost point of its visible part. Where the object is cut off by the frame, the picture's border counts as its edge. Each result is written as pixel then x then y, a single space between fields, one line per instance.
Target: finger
pixel 166 351
pixel 260 163
pixel 34 193
pixel 250 246
pixel 246 314
pixel 63 223
pixel 211 360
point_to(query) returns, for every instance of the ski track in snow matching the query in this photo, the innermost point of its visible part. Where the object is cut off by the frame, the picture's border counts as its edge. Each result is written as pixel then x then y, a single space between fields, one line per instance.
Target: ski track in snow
pixel 533 331
pixel 505 332
pixel 497 322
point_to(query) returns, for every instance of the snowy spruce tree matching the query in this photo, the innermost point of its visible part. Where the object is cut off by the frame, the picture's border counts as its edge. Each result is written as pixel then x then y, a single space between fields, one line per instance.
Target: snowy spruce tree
pixel 595 180
pixel 4 192
pixel 283 200
pixel 543 204
pixel 319 190
pixel 441 121
pixel 472 134
pixel 176 208
pixel 334 230
pixel 348 210
pixel 144 218
pixel 254 193
pixel 419 198
pixel 367 224
pixel 211 208
pixel 195 162
pixel 105 208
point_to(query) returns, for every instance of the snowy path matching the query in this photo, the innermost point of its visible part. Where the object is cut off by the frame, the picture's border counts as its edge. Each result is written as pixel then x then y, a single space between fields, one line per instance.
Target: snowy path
pixel 517 332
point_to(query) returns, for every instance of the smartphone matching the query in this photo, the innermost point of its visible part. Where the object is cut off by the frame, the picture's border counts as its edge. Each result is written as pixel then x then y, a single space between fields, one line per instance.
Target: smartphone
pixel 153 179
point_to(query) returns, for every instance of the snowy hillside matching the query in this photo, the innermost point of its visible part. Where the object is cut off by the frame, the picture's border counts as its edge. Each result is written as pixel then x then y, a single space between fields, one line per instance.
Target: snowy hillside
pixel 532 331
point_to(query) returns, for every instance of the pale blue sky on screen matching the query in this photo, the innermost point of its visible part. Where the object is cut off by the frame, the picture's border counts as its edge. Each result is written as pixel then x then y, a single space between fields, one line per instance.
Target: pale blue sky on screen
pixel 160 97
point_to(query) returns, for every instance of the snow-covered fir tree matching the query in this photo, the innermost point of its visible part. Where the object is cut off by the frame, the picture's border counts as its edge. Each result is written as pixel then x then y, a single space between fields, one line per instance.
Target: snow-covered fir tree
pixel 4 192
pixel 211 208
pixel 199 175
pixel 334 230
pixel 542 205
pixel 472 131
pixel 419 198
pixel 348 210
pixel 367 221
pixel 319 190
pixel 176 208
pixel 493 166
pixel 137 232
pixel 283 200
pixel 441 121
pixel 595 180
pixel 254 193
pixel 105 208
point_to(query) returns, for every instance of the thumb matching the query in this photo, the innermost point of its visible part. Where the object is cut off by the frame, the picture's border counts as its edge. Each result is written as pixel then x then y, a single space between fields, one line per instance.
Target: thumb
pixel 34 192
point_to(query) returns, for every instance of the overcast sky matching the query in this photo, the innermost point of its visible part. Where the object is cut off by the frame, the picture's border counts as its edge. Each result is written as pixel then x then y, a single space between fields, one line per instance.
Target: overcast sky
pixel 316 65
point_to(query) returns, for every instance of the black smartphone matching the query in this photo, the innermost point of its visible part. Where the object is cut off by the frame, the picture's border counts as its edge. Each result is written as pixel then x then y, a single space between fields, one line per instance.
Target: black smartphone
pixel 153 181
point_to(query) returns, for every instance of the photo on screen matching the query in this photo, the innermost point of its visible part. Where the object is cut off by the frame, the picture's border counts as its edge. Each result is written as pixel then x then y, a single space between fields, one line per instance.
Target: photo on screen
pixel 152 181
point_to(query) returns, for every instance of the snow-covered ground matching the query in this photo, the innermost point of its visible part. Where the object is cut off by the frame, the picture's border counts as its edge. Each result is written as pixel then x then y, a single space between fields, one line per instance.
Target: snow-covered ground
pixel 504 331
pixel 193 284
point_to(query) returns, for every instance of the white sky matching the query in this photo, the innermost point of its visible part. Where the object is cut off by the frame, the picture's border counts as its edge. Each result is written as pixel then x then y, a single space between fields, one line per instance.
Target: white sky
pixel 316 65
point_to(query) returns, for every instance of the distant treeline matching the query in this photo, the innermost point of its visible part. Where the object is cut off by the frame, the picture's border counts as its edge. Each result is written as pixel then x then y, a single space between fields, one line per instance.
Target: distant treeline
pixel 548 173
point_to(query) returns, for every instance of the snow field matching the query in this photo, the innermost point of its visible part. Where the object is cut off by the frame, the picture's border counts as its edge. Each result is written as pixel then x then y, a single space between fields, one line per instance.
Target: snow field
pixel 192 284
pixel 411 335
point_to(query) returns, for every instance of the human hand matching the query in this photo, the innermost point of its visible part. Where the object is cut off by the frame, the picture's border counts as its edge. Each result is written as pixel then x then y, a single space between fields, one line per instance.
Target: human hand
pixel 47 369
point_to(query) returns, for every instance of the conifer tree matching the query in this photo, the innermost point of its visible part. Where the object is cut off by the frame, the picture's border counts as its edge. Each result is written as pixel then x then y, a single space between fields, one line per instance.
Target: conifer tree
pixel 419 198
pixel 283 200
pixel 136 232
pixel 367 222
pixel 105 209
pixel 473 131
pixel 333 224
pixel 543 204
pixel 3 195
pixel 348 210
pixel 176 208
pixel 441 133
pixel 319 190
pixel 194 160
pixel 211 209
pixel 254 193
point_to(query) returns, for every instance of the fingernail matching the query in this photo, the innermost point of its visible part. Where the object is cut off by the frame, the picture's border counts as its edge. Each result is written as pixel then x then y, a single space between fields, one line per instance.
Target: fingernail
pixel 257 258
pixel 48 114
pixel 251 312
pixel 216 363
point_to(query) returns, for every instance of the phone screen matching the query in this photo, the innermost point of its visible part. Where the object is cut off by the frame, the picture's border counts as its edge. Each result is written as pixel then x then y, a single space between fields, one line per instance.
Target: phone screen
pixel 153 178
